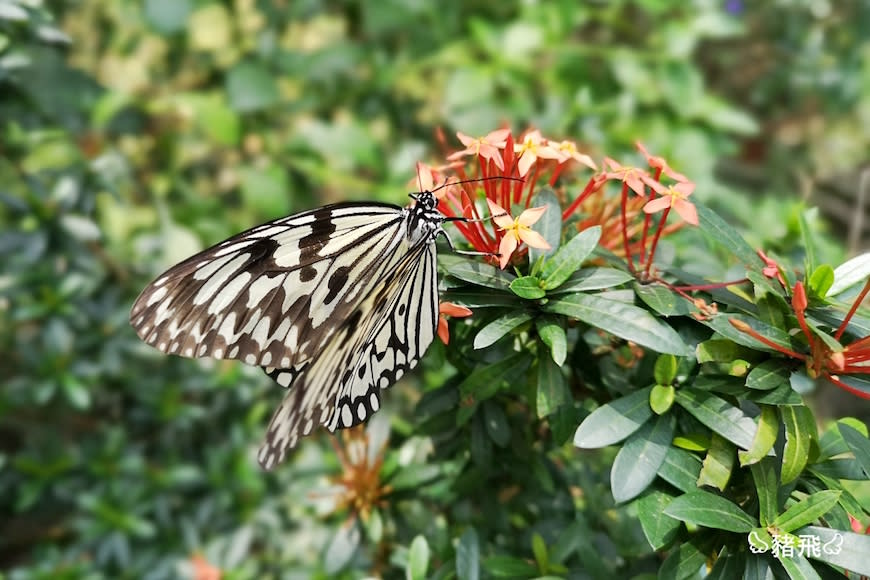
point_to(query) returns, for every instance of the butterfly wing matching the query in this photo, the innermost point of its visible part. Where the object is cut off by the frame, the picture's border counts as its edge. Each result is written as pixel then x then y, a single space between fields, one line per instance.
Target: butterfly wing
pixel 275 294
pixel 382 339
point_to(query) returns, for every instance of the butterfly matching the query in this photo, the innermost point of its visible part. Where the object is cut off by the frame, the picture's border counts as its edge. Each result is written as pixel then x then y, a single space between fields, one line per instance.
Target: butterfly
pixel 335 304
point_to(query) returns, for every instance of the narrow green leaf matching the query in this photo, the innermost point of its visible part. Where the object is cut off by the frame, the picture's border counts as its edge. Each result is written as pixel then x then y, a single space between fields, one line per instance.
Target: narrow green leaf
pixel 807 510
pixel 850 273
pixel 729 564
pixel 800 430
pixel 765 437
pixel 622 320
pixel 418 559
pixel 637 463
pixel 539 549
pixel 728 237
pixel 468 555
pixel 485 381
pixel 509 567
pixel 683 563
pixel 718 464
pixel 703 508
pixel 593 278
pixel 799 568
pixel 858 444
pixel 782 395
pixel 552 332
pixel 569 258
pixel 832 443
pixel 723 418
pixel 768 375
pixel 663 300
pixel 552 389
pixel 766 487
pixel 821 281
pixel 808 243
pixel 660 530
pixel 481 274
pixel 844 549
pixel 613 422
pixel 475 299
pixel 499 327
pixel 496 422
pixel 549 226
pixel 776 335
pixel 528 287
pixel 681 469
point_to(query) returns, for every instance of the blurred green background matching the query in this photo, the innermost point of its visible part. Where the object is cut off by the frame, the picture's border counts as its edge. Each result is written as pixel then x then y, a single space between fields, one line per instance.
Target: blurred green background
pixel 133 134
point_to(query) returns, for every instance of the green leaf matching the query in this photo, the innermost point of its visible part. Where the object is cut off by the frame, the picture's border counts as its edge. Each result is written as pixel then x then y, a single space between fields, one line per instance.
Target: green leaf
pixel 661 398
pixel 844 549
pixel 821 281
pixel 528 287
pixel 729 238
pixel 539 549
pixel 638 462
pixel 468 555
pixel 800 430
pixel 660 530
pixel 665 370
pixel 807 510
pixel 850 273
pixel 622 320
pixel 718 464
pixel 726 420
pixel 765 437
pixel 703 508
pixel 776 335
pixel 858 444
pixel 782 395
pixel 593 279
pixel 766 487
pixel 552 389
pixel 613 422
pixel 569 258
pixel 662 300
pixel 341 548
pixel 832 443
pixel 499 327
pixel 484 382
pixel 549 226
pixel 481 274
pixel 552 332
pixel 799 568
pixel 683 563
pixel 496 424
pixel 251 87
pixel 729 564
pixel 418 559
pixel 508 567
pixel 681 469
pixel 719 350
pixel 768 375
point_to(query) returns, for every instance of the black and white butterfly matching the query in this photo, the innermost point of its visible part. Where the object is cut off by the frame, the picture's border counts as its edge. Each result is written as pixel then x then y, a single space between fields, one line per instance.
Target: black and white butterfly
pixel 336 304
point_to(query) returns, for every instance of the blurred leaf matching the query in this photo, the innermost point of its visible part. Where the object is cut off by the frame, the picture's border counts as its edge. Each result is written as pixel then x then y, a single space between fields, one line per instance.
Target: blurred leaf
pixel 549 226
pixel 468 555
pixel 684 562
pixel 552 390
pixel 821 281
pixel 622 320
pixel 665 370
pixel 341 548
pixel 727 237
pixel 250 87
pixel 613 422
pixel 496 424
pixel 509 567
pixel 265 190
pixel 167 16
pixel 850 273
pixel 418 559
pixel 858 444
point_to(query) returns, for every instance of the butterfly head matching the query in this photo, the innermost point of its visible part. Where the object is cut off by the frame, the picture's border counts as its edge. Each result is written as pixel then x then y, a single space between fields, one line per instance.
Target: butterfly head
pixel 424 219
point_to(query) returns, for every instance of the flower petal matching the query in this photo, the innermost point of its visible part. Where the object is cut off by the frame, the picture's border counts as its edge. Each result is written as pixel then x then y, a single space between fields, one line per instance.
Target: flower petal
pixel 534 239
pixel 527 159
pixel 531 215
pixel 658 204
pixel 499 215
pixel 454 310
pixel 506 249
pixel 686 210
pixel 443 330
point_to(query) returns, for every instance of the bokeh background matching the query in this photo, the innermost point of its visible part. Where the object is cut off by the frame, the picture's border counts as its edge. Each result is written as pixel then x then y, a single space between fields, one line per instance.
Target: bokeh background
pixel 133 134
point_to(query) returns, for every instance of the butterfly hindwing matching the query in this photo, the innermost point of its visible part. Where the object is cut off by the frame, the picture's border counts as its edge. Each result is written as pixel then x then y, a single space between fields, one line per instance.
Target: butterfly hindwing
pixel 342 387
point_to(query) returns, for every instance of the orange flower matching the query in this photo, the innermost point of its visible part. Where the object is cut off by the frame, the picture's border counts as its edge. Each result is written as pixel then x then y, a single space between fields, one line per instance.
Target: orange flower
pixel 673 197
pixel 516 230
pixel 660 163
pixel 568 150
pixel 203 570
pixel 446 309
pixel 486 147
pixel 631 176
pixel 532 147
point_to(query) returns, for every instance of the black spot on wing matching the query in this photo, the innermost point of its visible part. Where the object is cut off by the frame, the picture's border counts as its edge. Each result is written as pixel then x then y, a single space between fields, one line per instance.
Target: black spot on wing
pixel 307 274
pixel 336 282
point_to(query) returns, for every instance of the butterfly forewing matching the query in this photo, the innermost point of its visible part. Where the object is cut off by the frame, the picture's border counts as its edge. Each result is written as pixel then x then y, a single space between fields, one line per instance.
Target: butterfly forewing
pixel 335 303
pixel 272 295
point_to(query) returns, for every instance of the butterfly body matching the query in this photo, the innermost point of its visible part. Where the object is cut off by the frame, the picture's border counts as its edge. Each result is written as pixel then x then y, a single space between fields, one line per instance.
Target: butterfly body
pixel 335 304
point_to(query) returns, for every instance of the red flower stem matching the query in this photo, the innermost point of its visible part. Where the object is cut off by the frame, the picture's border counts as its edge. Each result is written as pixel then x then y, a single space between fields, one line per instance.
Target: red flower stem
pixel 624 222
pixel 655 242
pixel 852 310
pixel 746 329
pixel 845 387
pixel 557 172
pixel 587 191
